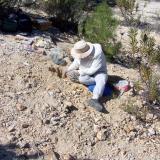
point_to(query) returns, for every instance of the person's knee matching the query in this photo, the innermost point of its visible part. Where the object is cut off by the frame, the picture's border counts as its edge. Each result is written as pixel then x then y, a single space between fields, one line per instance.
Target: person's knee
pixel 82 79
pixel 102 80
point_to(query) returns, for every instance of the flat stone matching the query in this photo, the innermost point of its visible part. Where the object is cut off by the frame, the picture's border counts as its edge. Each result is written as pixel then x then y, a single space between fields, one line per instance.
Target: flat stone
pixel 102 135
pixel 11 138
pixel 53 122
pixel 25 125
pixel 63 115
pixel 157 127
pixel 68 157
pixel 53 156
pixel 151 132
pixel 23 144
pixel 68 104
pixel 96 128
pixel 20 107
pixel 11 128
pixel 149 117
pixel 55 119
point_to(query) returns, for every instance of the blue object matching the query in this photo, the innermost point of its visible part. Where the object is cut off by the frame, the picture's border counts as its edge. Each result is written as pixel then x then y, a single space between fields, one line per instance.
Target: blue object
pixel 107 91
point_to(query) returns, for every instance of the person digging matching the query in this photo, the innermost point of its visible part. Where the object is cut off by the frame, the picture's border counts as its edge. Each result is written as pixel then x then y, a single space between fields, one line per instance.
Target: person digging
pixel 89 68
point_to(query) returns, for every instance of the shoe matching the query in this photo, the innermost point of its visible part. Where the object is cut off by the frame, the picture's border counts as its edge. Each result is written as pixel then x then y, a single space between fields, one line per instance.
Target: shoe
pixel 94 103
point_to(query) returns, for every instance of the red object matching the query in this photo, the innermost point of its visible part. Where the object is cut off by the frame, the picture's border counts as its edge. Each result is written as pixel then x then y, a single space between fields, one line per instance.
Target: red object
pixel 122 85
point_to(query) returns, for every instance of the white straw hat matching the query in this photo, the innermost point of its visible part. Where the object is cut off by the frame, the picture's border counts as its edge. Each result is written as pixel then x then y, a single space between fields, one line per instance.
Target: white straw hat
pixel 82 49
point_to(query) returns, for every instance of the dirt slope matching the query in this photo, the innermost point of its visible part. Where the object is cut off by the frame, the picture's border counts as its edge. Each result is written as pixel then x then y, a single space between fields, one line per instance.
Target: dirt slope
pixel 40 112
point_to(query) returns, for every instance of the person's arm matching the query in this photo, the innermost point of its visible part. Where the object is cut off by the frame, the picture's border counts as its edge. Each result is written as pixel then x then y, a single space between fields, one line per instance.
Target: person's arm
pixel 74 65
pixel 96 65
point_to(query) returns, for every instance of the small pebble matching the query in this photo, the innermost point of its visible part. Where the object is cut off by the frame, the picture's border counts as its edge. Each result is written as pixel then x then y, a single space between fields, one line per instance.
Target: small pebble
pixel 20 107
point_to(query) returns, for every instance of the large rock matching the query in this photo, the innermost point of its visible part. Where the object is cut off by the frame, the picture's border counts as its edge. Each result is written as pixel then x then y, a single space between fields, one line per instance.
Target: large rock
pixel 57 55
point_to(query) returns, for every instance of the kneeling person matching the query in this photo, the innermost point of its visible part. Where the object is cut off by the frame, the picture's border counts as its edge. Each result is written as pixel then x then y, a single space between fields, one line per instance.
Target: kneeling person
pixel 89 68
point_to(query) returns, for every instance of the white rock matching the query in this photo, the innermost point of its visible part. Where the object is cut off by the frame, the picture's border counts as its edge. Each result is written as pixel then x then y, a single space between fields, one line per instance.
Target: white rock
pixel 96 128
pixel 68 104
pixel 11 138
pixel 151 132
pixel 52 156
pixel 20 107
pixel 11 128
pixel 50 93
pixel 102 135
pixel 53 122
pixel 96 119
pixel 149 117
pixel 23 144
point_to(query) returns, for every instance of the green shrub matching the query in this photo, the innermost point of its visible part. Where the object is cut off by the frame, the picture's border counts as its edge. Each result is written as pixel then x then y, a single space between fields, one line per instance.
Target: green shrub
pixel 128 9
pixel 139 112
pixel 149 57
pixel 67 10
pixel 67 15
pixel 133 41
pixel 100 27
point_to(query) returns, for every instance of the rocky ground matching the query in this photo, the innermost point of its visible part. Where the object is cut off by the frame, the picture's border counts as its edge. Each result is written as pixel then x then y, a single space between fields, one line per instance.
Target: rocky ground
pixel 42 113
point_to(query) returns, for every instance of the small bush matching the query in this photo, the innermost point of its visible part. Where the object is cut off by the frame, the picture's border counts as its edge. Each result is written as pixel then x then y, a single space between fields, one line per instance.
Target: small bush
pixel 100 27
pixel 149 57
pixel 67 10
pixel 139 112
pixel 133 41
pixel 128 9
pixel 67 14
pixel 63 9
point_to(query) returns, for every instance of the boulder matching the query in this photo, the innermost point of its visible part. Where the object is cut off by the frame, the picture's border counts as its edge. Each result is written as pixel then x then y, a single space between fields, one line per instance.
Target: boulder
pixel 57 55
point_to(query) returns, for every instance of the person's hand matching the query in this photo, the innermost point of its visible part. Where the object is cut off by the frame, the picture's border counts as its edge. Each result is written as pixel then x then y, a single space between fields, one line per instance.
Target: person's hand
pixel 73 75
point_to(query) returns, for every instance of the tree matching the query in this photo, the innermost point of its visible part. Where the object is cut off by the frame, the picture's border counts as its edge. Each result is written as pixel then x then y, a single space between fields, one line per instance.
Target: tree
pixel 100 27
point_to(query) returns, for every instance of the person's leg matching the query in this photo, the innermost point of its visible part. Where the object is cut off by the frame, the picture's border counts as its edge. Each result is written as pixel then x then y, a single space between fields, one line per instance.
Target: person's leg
pixel 86 80
pixel 101 80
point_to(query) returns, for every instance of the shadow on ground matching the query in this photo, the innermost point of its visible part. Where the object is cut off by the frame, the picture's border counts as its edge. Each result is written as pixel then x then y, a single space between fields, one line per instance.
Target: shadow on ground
pixel 55 32
pixel 111 80
pixel 8 152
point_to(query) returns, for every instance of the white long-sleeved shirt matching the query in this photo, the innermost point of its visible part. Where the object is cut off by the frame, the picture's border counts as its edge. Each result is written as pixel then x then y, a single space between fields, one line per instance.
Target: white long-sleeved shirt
pixel 94 63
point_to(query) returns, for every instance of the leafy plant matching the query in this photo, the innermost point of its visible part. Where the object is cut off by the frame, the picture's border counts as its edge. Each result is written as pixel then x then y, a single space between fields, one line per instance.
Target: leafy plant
pixel 68 10
pixel 138 86
pixel 149 56
pixel 133 41
pixel 135 110
pixel 100 27
pixel 67 14
pixel 147 47
pixel 128 9
pixel 154 93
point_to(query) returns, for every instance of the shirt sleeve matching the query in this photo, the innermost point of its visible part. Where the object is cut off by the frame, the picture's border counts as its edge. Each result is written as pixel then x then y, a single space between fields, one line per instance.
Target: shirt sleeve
pixel 74 65
pixel 96 65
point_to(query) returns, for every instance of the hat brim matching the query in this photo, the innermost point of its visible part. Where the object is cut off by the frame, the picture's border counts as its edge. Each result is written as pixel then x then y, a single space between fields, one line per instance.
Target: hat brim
pixel 82 55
